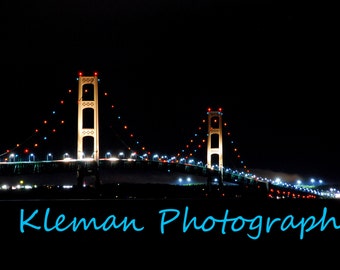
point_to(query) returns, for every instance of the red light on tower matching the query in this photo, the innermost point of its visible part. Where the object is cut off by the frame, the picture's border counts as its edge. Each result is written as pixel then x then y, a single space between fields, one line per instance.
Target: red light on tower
pixel 80 74
pixel 95 73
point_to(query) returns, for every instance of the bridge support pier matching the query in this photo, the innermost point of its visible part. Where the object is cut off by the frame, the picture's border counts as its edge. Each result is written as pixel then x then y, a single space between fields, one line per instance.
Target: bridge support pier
pixel 211 183
pixel 83 171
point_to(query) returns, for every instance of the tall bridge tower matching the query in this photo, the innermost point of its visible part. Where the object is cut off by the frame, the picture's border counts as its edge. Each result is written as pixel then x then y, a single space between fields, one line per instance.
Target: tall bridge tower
pixel 88 128
pixel 88 100
pixel 215 142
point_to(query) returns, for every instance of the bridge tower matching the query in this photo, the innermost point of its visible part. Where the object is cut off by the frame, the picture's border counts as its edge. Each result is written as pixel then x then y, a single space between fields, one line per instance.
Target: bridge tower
pixel 88 101
pixel 215 142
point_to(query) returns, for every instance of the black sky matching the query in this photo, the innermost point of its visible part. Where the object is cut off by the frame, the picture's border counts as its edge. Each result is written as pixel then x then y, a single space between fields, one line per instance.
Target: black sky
pixel 269 65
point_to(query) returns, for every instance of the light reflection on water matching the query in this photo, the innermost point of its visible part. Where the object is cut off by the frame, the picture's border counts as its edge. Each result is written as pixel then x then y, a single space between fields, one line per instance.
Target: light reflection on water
pixel 106 177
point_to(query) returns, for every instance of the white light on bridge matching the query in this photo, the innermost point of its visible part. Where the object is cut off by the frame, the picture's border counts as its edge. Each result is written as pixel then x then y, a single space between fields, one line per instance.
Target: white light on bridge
pixel 49 157
pixel 31 157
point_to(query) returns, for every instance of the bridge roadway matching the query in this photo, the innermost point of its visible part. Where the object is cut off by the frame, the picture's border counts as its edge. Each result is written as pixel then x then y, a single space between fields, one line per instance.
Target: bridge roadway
pixel 38 167
pixel 89 167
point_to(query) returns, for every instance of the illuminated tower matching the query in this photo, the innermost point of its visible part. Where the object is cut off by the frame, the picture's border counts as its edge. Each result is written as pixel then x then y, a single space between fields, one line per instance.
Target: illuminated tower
pixel 88 101
pixel 214 143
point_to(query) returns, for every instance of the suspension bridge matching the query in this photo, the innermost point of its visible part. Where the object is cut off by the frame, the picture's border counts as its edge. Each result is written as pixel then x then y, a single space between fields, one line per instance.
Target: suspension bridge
pixel 40 154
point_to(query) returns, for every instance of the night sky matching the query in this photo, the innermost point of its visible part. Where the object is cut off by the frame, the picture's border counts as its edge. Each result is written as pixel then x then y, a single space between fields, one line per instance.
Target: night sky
pixel 269 66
